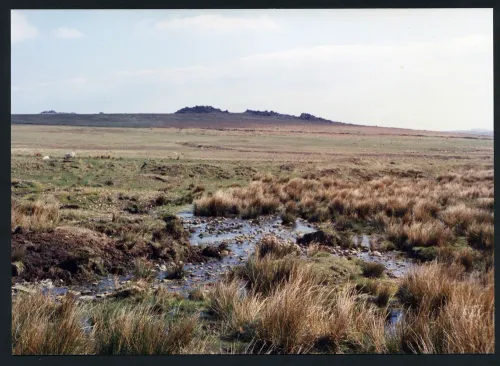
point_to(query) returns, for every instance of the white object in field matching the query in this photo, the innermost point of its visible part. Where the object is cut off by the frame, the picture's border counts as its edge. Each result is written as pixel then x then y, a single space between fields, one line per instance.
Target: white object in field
pixel 70 155
pixel 46 158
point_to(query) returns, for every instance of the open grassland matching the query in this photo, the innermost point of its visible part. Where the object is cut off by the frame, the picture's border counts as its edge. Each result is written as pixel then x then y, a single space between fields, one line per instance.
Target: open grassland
pixel 279 144
pixel 110 210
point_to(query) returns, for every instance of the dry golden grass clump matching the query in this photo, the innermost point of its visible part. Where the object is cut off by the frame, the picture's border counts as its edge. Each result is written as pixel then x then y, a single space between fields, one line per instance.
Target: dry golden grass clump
pixel 448 311
pixel 313 249
pixel 481 235
pixel 290 316
pixel 460 217
pixel 143 268
pixel 266 274
pixel 271 245
pixel 372 269
pixel 137 329
pixel 431 233
pixel 248 203
pixel 42 326
pixel 35 216
pixel 238 310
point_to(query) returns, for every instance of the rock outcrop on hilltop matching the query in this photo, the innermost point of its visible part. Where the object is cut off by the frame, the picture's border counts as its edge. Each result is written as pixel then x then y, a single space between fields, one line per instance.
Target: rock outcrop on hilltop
pixel 303 116
pixel 269 114
pixel 311 117
pixel 200 109
pixel 54 112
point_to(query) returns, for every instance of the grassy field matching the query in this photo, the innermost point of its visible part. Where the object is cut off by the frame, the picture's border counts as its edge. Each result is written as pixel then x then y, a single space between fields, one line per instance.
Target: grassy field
pixel 427 195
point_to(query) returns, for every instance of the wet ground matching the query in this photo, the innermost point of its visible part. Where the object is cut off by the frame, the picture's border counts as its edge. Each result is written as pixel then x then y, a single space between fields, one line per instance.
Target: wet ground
pixel 240 237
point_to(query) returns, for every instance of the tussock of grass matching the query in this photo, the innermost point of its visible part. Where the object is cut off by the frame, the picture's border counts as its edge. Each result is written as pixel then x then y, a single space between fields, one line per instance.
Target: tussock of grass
pixel 197 294
pixel 428 234
pixel 313 249
pixel 460 217
pixel 425 210
pixel 448 311
pixel 40 326
pixel 481 235
pixel 271 245
pixel 384 294
pixel 418 234
pixel 238 310
pixel 263 275
pixel 287 218
pixel 288 315
pixel 372 269
pixel 176 271
pixel 143 268
pixel 301 316
pixel 40 215
pixel 122 329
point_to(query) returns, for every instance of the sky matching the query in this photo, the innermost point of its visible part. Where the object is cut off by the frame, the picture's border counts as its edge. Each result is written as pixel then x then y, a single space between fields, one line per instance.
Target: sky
pixel 429 69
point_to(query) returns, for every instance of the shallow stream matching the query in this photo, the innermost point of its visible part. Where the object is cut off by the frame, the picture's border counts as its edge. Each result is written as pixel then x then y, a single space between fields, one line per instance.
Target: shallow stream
pixel 240 237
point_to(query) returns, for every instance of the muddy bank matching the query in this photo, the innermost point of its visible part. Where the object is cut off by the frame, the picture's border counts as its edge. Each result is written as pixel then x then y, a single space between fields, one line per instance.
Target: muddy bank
pixel 74 255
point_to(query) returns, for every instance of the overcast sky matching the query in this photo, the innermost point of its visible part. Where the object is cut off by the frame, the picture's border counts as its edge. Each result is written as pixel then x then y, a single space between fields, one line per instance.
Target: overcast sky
pixel 421 69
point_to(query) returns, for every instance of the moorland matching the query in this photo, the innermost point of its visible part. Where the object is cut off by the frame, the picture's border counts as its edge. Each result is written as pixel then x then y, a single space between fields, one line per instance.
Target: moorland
pixel 242 233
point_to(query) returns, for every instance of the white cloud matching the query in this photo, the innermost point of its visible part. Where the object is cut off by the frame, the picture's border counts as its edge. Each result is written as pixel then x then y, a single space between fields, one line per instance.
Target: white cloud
pixel 358 59
pixel 20 28
pixel 362 53
pixel 66 33
pixel 217 23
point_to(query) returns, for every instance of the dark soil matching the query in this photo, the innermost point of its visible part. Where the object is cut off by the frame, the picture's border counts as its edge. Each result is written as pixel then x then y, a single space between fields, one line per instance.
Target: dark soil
pixel 66 253
pixel 77 255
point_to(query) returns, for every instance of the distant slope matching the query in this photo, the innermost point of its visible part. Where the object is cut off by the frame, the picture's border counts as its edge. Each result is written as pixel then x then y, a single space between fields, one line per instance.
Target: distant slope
pixel 188 117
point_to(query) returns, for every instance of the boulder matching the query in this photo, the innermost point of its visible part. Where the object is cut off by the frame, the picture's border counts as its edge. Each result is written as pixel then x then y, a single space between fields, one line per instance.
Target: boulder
pixel 70 155
pixel 321 237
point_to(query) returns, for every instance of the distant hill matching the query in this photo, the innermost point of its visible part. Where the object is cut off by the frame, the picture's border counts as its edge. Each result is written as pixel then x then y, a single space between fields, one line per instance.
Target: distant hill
pixel 187 117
